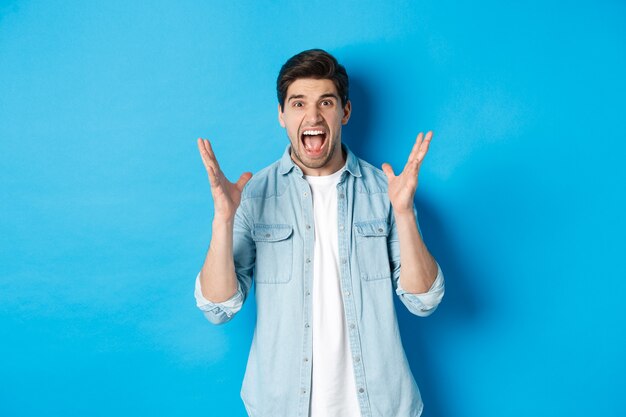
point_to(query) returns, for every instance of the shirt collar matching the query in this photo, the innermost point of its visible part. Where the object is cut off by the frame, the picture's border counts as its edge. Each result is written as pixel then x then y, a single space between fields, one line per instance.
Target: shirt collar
pixel 352 163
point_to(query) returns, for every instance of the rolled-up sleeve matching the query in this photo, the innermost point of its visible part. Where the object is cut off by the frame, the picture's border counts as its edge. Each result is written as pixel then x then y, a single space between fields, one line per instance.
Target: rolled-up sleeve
pixel 419 304
pixel 424 304
pixel 218 313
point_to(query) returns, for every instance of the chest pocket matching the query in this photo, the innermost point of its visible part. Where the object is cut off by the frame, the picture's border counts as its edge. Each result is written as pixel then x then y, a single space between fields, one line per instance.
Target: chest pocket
pixel 274 253
pixel 371 249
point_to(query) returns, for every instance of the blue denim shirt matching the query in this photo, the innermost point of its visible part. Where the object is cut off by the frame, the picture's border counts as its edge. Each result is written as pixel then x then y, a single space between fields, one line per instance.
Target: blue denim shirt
pixel 273 244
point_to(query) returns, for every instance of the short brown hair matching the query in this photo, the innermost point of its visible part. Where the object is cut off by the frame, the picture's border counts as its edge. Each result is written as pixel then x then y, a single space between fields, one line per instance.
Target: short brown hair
pixel 312 63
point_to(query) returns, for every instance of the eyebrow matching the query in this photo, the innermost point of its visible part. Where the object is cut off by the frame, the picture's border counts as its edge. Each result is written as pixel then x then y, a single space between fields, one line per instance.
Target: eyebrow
pixel 326 95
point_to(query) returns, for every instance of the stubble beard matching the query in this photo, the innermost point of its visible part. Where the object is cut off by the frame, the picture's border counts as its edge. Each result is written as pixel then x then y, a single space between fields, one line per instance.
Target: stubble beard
pixel 314 164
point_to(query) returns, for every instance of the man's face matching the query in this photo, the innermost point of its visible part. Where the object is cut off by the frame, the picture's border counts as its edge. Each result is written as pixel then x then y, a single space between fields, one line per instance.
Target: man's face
pixel 313 116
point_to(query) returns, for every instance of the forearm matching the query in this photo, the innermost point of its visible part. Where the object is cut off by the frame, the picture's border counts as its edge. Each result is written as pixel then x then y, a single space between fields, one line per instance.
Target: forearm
pixel 217 277
pixel 418 268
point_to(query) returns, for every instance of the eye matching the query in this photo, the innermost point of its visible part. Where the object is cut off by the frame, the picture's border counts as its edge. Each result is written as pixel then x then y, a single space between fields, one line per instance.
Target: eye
pixel 297 104
pixel 327 103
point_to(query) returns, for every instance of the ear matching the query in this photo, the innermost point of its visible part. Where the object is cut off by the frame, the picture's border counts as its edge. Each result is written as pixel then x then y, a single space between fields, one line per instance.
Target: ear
pixel 280 116
pixel 347 110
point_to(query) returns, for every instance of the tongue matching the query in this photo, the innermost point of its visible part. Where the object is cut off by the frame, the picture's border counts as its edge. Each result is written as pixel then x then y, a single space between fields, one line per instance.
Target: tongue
pixel 314 143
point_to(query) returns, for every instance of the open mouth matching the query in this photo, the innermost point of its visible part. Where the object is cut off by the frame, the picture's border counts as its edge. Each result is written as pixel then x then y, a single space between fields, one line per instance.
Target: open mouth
pixel 313 141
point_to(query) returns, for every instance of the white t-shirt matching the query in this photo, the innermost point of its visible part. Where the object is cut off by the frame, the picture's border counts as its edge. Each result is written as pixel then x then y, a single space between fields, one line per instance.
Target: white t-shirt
pixel 333 388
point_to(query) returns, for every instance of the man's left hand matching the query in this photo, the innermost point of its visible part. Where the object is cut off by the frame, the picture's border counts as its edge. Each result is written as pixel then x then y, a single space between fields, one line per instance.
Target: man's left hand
pixel 402 187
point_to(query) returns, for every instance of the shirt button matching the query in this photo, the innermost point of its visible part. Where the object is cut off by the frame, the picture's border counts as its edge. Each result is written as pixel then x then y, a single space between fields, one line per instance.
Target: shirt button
pixel 380 230
pixel 343 261
pixel 308 293
pixel 308 226
pixel 352 325
pixel 268 235
pixel 305 194
pixel 361 390
pixel 341 227
pixel 306 359
pixel 347 293
pixel 308 260
pixel 340 196
pixel 306 325
pixel 357 359
pixel 303 391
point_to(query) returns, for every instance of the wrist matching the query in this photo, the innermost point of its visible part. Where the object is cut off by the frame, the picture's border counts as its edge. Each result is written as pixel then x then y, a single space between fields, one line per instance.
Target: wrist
pixel 404 214
pixel 221 222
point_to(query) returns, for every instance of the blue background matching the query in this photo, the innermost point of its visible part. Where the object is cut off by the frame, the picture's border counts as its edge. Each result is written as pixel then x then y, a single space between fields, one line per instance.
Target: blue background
pixel 105 208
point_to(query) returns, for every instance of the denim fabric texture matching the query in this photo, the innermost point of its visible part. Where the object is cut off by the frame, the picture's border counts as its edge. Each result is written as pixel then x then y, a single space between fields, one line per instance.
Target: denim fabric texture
pixel 273 245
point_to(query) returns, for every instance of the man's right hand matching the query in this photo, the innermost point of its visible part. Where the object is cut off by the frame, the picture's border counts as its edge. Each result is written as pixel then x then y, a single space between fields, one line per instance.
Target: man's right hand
pixel 226 195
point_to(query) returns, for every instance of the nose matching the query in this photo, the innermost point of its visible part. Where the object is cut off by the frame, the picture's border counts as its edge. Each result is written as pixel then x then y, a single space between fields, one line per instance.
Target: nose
pixel 312 115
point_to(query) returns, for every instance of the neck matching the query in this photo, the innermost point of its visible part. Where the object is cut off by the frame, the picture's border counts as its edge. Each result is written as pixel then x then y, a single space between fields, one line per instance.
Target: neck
pixel 333 165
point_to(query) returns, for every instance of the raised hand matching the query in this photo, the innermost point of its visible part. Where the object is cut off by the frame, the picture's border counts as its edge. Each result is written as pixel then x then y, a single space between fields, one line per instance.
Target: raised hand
pixel 226 195
pixel 402 187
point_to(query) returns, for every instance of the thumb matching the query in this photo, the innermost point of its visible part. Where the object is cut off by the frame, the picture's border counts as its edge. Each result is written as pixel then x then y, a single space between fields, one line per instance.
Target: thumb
pixel 243 179
pixel 388 171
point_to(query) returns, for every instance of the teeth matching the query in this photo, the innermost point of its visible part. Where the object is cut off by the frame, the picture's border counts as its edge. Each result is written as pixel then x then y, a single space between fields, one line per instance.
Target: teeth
pixel 313 132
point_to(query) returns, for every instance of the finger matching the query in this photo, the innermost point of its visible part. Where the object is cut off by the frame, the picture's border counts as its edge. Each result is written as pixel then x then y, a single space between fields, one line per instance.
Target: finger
pixel 424 147
pixel 208 157
pixel 209 148
pixel 243 179
pixel 415 149
pixel 388 171
pixel 203 153
pixel 213 178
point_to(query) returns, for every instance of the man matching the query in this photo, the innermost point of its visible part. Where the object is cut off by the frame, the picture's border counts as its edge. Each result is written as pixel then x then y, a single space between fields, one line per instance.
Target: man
pixel 323 234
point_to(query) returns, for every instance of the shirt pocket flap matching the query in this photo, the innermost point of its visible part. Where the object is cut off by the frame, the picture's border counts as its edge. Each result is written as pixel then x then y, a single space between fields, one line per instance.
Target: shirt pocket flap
pixel 271 232
pixel 372 228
